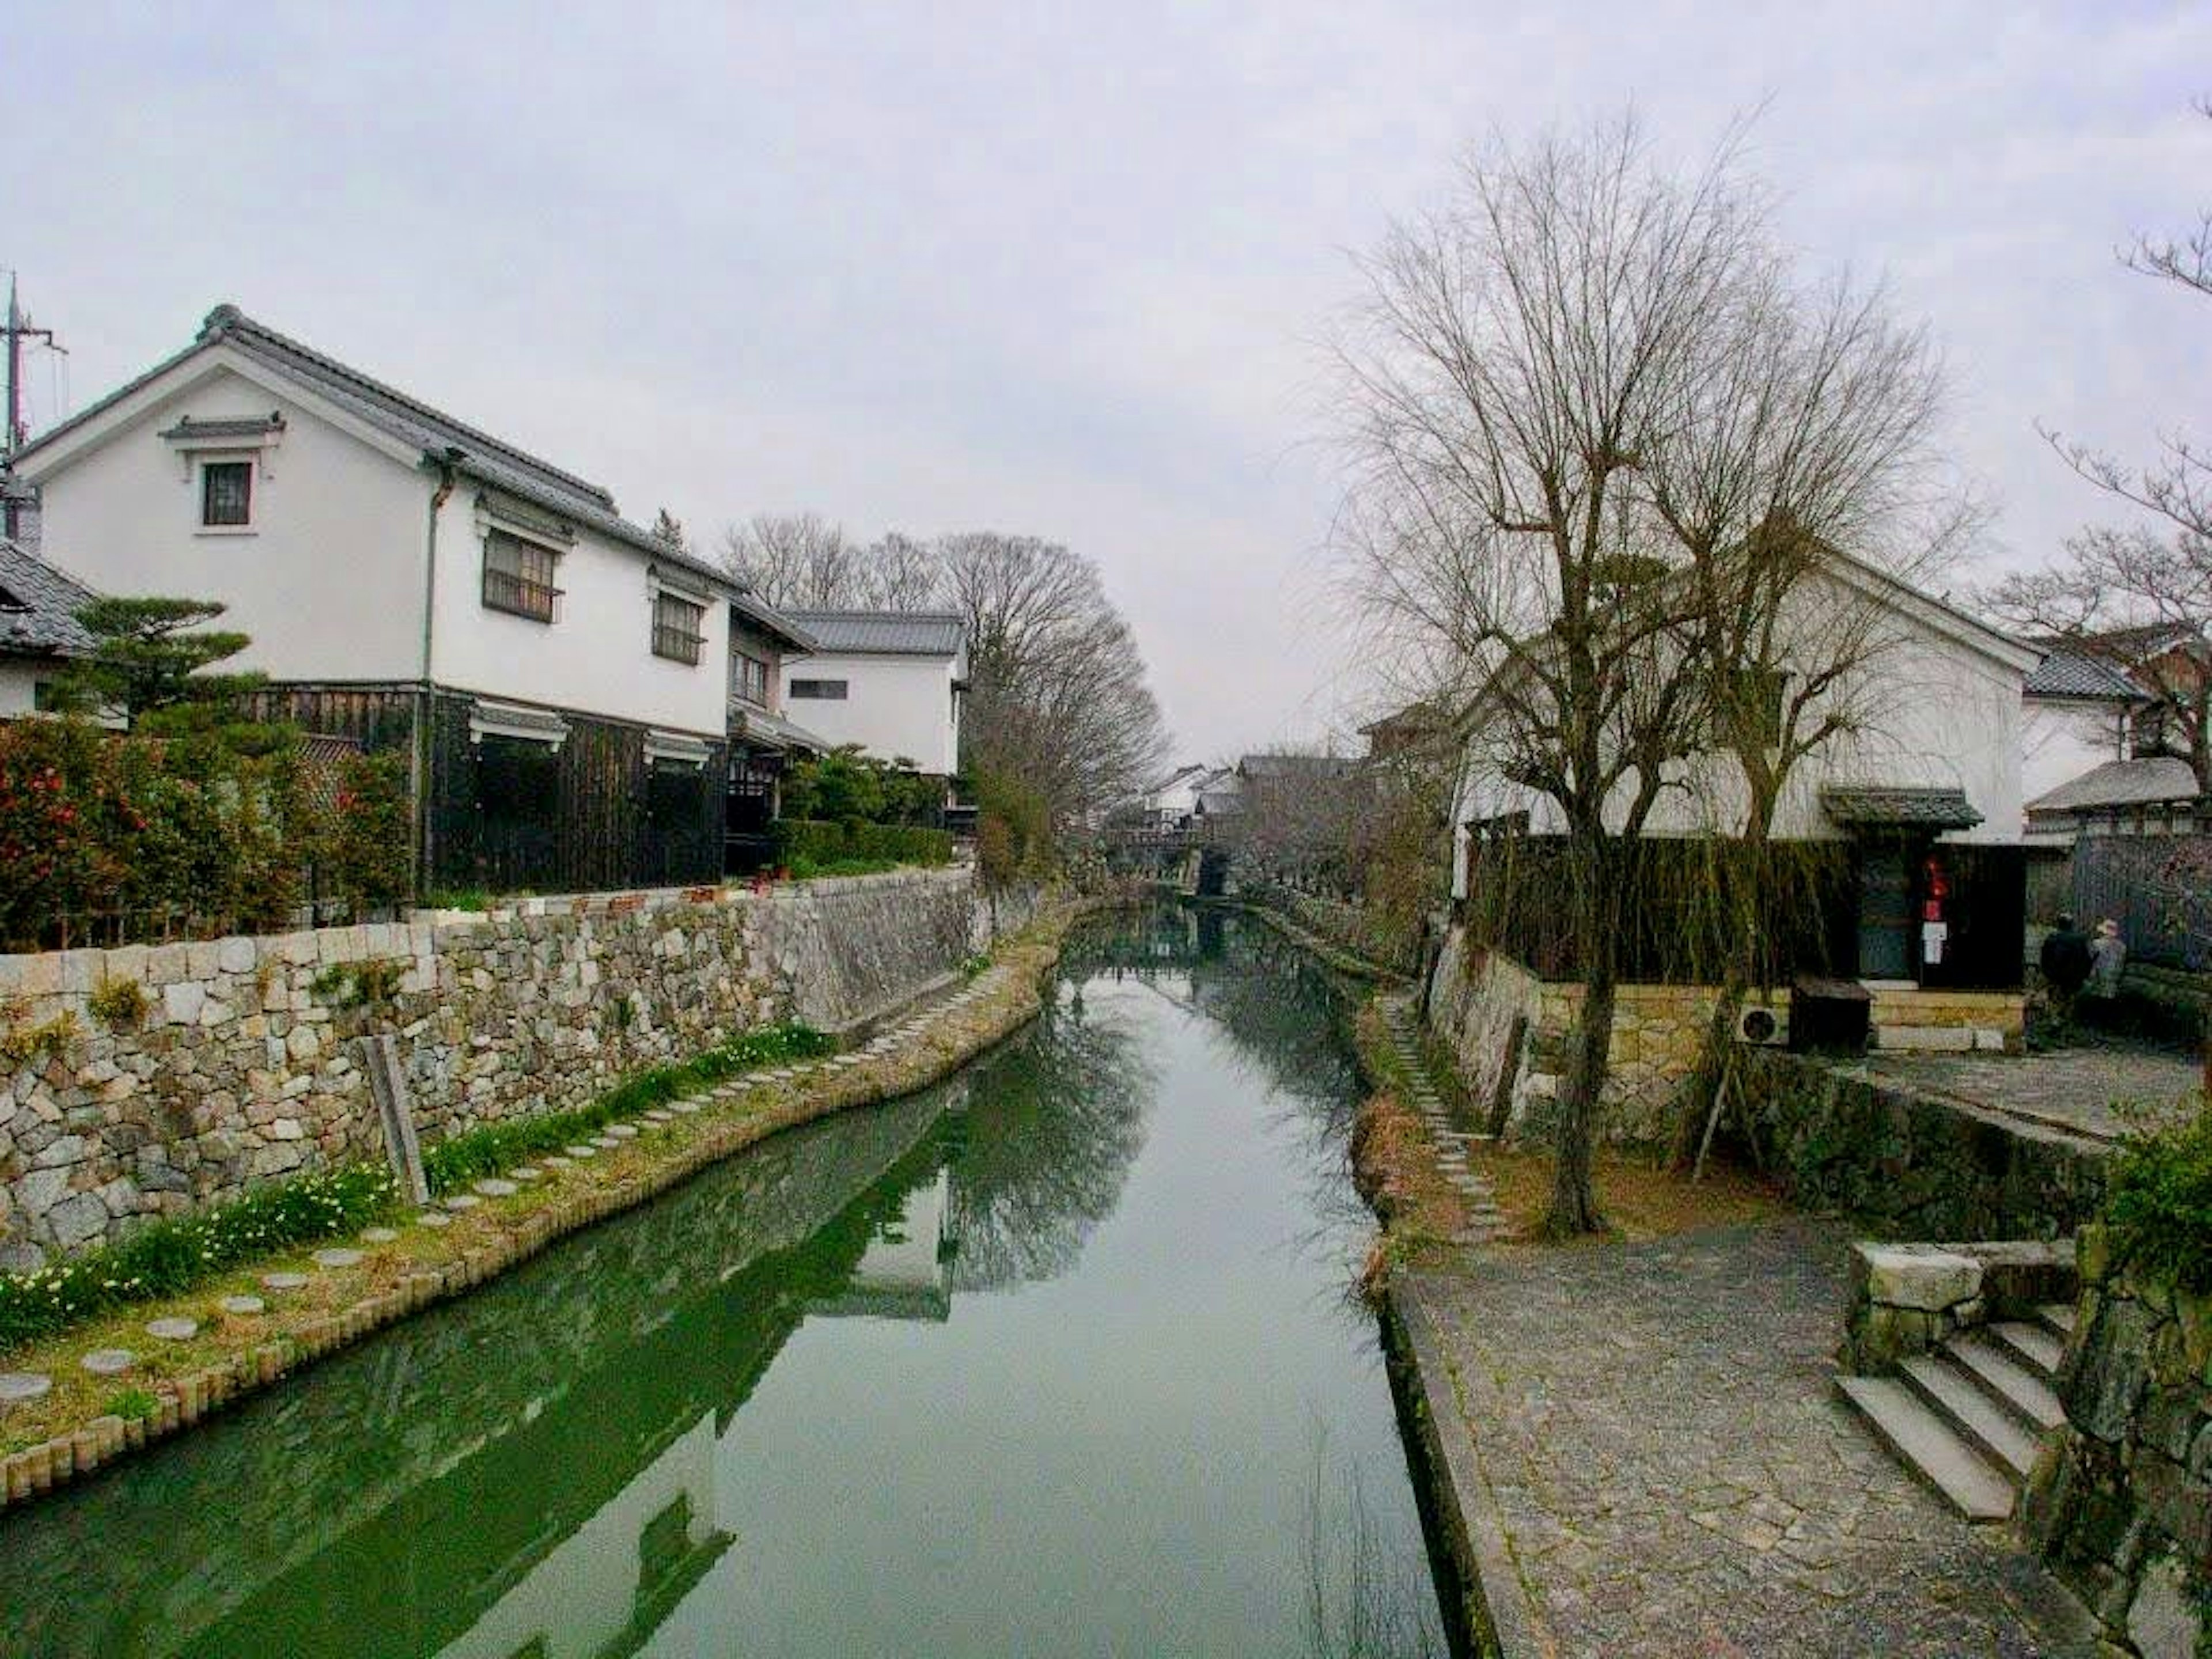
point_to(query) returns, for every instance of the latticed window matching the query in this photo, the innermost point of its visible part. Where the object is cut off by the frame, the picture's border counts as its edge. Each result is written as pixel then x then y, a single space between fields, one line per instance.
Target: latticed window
pixel 678 628
pixel 749 679
pixel 226 494
pixel 517 576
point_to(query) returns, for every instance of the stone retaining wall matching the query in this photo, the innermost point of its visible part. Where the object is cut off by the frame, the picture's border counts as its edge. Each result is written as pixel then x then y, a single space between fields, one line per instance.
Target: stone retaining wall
pixel 2120 1503
pixel 243 1065
pixel 1931 1167
pixel 1476 997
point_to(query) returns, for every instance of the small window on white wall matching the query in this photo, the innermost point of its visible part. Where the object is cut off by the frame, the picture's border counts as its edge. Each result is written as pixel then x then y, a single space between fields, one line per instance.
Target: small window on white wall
pixel 226 495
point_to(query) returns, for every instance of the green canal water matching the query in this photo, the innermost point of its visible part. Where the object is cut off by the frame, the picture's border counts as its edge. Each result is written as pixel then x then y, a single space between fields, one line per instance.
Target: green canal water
pixel 1055 1358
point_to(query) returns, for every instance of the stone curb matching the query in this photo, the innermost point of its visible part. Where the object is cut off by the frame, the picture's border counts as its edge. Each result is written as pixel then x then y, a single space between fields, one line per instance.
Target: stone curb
pixel 53 1463
pixel 1331 954
pixel 1501 1617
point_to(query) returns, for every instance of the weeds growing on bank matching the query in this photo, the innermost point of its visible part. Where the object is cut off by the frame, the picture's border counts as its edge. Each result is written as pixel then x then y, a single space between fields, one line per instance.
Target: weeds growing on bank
pixel 168 1257
pixel 465 1157
pixel 2159 1205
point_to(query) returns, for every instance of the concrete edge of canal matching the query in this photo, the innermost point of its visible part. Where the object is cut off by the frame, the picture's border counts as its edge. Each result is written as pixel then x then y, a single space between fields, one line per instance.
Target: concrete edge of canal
pixel 491 1247
pixel 1497 1614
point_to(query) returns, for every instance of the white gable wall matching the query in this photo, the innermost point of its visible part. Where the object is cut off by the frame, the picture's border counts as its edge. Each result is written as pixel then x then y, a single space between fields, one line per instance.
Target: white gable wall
pixel 893 706
pixel 329 584
pixel 596 655
pixel 2062 740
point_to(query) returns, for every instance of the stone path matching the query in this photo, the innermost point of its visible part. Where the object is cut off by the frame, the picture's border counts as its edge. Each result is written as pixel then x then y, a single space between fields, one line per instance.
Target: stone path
pixel 1484 1222
pixel 2069 1088
pixel 1652 1432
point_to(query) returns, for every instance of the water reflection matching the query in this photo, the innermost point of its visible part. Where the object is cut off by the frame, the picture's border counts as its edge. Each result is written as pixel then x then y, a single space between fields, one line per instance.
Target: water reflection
pixel 587 1458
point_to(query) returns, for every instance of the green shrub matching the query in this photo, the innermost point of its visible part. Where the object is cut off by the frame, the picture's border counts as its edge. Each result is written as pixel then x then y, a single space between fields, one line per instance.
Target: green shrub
pixel 2158 1206
pixel 132 1402
pixel 168 1257
pixel 369 844
pixel 821 849
pixel 465 1157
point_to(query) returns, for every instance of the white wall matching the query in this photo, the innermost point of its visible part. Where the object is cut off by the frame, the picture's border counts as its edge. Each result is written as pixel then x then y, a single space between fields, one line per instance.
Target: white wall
pixel 596 657
pixel 329 583
pixel 2060 741
pixel 893 706
pixel 19 678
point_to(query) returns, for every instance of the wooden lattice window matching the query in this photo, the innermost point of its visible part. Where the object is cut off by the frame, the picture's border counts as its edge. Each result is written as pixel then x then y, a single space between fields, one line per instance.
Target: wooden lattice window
pixel 518 577
pixel 226 495
pixel 679 628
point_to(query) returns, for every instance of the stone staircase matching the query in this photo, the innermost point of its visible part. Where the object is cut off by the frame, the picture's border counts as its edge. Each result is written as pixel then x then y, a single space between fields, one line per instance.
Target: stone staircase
pixel 1484 1221
pixel 1968 1416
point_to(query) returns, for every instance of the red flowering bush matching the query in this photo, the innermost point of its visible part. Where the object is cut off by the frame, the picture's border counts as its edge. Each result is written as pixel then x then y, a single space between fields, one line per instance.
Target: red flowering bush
pixel 105 837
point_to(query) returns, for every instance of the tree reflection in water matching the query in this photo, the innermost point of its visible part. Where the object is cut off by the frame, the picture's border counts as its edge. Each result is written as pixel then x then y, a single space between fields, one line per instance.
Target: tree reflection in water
pixel 1054 1125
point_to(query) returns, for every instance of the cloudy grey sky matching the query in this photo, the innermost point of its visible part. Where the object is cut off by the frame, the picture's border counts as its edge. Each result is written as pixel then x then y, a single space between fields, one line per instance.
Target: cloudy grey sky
pixel 1054 268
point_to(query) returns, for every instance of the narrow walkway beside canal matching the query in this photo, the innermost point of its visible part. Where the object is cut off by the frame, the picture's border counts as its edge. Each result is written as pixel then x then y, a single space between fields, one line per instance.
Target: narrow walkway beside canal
pixel 1658 1458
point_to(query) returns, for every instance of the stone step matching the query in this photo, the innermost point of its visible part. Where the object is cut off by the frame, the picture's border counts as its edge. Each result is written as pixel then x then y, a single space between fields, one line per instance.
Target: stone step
pixel 1929 1447
pixel 2031 1345
pixel 2027 1396
pixel 1959 1401
pixel 2056 1317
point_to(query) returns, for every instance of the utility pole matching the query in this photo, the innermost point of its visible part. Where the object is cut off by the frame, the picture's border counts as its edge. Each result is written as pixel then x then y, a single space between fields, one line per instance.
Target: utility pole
pixel 18 330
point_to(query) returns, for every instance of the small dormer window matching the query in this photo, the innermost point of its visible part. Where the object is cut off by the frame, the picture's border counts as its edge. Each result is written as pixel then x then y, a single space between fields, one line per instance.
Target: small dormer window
pixel 226 495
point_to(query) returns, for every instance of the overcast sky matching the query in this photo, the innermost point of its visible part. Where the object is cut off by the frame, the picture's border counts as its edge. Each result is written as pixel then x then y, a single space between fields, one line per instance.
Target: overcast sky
pixel 1055 268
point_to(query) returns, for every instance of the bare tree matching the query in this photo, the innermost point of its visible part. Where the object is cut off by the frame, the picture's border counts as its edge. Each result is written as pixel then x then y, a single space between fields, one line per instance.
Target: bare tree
pixel 2140 595
pixel 1602 446
pixel 1800 482
pixel 1058 699
pixel 800 560
pixel 899 572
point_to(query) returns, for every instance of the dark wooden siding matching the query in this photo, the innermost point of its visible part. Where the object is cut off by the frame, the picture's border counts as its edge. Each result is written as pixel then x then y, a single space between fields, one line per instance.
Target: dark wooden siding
pixel 1678 916
pixel 511 816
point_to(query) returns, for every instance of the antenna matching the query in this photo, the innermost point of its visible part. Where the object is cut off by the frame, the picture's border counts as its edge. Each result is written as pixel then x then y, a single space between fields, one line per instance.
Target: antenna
pixel 17 328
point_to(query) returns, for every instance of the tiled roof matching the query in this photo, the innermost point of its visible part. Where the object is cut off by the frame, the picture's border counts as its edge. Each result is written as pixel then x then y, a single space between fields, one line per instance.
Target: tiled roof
pixel 41 618
pixel 1296 766
pixel 416 424
pixel 2148 781
pixel 768 731
pixel 1903 807
pixel 885 633
pixel 2075 674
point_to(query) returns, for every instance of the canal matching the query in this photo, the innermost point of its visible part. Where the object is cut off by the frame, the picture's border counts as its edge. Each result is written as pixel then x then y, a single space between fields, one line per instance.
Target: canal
pixel 1058 1357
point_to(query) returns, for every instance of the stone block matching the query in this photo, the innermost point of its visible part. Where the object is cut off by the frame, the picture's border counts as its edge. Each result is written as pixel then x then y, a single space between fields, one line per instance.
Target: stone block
pixel 2165 1620
pixel 235 955
pixel 1918 1276
pixel 78 1220
pixel 182 1000
pixel 1924 1039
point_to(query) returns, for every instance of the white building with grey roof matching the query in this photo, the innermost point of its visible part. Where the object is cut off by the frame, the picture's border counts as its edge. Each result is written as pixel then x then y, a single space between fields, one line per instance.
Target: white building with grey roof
pixel 566 685
pixel 39 632
pixel 891 682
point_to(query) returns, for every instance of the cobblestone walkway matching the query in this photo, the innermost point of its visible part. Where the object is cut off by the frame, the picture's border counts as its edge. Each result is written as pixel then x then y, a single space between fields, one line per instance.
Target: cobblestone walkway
pixel 2072 1087
pixel 1657 1432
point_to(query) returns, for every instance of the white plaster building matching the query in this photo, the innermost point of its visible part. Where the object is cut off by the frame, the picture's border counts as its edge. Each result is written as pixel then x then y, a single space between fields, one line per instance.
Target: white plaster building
pixel 891 681
pixel 560 679
pixel 1932 762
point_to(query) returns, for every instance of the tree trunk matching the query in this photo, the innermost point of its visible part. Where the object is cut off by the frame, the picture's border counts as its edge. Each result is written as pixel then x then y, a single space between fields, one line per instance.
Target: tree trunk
pixel 1574 1209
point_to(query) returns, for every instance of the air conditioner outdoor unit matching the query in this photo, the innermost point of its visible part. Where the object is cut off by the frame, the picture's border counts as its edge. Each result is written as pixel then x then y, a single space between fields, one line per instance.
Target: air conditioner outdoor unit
pixel 1759 1026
